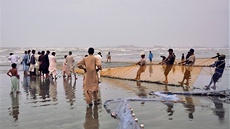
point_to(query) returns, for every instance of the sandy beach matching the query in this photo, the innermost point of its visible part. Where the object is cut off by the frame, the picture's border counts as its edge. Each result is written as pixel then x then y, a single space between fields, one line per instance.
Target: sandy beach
pixel 60 104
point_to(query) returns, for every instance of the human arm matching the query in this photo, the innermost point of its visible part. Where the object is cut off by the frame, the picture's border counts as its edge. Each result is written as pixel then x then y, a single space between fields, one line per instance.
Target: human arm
pixel 9 73
pixel 81 64
pixel 98 64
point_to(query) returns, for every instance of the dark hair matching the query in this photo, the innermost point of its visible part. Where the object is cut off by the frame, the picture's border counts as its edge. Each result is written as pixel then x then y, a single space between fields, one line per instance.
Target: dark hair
pixel 33 51
pixel 90 50
pixel 170 50
pixel 53 53
pixel 13 65
pixel 43 52
pixel 70 52
pixel 191 50
pixel 65 56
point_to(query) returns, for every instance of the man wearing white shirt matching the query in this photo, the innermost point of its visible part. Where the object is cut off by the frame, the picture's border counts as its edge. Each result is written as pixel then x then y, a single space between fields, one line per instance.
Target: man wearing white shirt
pixel 14 59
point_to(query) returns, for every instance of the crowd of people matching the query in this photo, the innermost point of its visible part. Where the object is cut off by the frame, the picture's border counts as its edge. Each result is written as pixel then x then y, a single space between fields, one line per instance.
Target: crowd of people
pixel 45 65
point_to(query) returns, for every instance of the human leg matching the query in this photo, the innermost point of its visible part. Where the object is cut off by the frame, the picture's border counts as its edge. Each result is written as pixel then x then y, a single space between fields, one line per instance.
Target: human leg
pixel 88 97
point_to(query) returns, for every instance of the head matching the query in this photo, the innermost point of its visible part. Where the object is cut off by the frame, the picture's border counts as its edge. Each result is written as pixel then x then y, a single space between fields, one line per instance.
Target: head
pixel 11 54
pixel 150 52
pixel 222 57
pixel 65 56
pixel 191 51
pixel 90 51
pixel 33 51
pixel 25 52
pixel 70 52
pixel 39 52
pixel 29 51
pixel 13 65
pixel 170 50
pixel 143 55
pixel 53 53
pixel 99 53
pixel 48 52
pixel 43 52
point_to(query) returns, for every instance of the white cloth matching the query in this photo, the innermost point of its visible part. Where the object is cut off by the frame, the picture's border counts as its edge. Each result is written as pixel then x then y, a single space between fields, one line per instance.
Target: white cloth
pixel 53 64
pixel 191 60
pixel 98 57
pixel 14 59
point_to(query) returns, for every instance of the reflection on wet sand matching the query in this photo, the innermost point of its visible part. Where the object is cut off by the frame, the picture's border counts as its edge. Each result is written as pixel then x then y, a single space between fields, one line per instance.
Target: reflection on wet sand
pixel 26 84
pixel 150 70
pixel 53 90
pixel 91 118
pixel 219 108
pixel 33 87
pixel 189 105
pixel 169 109
pixel 44 88
pixel 14 106
pixel 40 90
pixel 142 93
pixel 69 90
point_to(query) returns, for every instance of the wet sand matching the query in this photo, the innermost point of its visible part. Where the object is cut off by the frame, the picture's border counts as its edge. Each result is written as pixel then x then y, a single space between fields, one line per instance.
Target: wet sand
pixel 61 104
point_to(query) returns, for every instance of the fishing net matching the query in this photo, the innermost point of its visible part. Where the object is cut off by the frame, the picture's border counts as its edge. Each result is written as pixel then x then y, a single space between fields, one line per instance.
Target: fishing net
pixel 121 110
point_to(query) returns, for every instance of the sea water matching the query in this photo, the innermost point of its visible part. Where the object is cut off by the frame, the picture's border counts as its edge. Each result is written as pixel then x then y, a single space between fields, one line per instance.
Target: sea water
pixel 124 54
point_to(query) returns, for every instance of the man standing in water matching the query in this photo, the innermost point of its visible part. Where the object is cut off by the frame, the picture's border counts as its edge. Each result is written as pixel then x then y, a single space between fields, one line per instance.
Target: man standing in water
pixel 70 65
pixel 108 57
pixel 142 68
pixel 32 64
pixel 150 56
pixel 91 79
pixel 169 61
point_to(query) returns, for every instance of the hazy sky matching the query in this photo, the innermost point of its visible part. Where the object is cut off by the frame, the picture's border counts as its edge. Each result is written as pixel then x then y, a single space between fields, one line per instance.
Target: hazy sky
pixel 98 23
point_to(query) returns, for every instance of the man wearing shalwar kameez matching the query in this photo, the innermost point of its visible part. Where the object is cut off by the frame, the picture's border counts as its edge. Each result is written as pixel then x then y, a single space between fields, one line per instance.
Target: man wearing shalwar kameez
pixel 53 65
pixel 89 64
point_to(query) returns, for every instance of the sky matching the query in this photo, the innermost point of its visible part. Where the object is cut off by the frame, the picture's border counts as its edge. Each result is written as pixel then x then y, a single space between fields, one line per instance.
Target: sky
pixel 107 23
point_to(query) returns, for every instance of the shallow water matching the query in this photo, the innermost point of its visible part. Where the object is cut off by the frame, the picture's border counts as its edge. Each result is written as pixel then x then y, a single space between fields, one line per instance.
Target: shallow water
pixel 61 104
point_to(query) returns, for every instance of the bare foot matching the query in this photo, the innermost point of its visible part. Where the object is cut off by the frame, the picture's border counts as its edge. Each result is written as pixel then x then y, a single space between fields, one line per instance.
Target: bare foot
pixel 180 83
pixel 213 87
pixel 166 82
